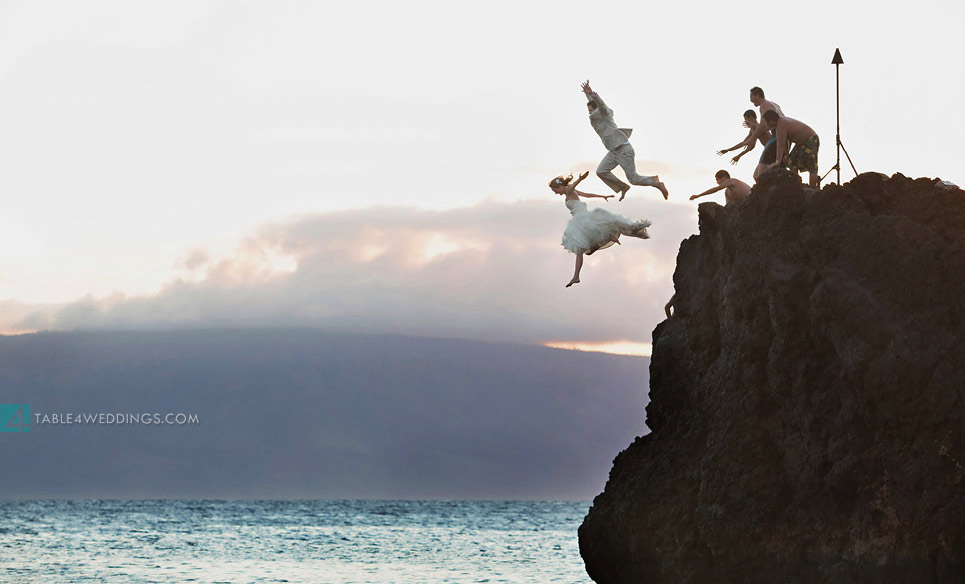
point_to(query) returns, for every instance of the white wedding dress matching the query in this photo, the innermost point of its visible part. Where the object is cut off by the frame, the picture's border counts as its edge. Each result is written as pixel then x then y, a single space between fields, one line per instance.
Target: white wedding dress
pixel 589 231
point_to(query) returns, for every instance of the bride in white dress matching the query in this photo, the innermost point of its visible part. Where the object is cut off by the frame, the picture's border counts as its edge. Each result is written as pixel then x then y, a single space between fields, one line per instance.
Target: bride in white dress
pixel 589 231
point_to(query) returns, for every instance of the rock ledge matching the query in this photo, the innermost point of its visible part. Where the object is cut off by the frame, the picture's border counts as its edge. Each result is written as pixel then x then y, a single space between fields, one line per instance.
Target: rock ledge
pixel 807 399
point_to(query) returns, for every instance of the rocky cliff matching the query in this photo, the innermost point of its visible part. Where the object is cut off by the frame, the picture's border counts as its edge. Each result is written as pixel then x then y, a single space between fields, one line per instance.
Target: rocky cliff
pixel 807 398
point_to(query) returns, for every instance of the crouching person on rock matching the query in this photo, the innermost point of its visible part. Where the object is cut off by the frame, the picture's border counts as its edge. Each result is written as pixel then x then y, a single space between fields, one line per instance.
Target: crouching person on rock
pixel 804 155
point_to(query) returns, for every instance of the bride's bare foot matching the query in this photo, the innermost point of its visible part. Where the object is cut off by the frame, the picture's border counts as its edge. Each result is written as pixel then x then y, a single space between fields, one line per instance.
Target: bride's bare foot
pixel 573 281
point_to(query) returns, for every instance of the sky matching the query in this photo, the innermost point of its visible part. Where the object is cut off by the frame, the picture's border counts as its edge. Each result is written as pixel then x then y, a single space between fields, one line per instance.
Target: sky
pixel 382 167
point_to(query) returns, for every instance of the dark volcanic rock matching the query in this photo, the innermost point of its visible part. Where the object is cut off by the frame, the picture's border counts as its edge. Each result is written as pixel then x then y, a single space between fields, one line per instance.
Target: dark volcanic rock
pixel 806 399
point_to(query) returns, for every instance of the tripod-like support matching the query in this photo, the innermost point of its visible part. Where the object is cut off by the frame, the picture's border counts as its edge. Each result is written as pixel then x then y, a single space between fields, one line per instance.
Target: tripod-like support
pixel 837 61
pixel 837 165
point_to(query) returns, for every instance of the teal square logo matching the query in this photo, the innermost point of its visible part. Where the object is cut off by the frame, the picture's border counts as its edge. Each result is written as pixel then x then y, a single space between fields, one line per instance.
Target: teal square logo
pixel 14 417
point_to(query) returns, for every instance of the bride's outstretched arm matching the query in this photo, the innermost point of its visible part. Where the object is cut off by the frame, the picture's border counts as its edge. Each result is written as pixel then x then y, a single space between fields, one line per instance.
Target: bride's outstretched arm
pixel 582 176
pixel 571 189
pixel 592 196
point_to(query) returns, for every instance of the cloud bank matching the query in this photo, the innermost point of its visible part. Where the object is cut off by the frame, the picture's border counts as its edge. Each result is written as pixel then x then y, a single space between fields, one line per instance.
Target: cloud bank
pixel 491 271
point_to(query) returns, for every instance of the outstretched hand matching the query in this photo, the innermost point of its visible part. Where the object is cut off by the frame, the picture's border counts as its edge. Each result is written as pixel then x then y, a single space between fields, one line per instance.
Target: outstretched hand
pixel 722 152
pixel 692 197
pixel 584 175
pixel 607 197
pixel 735 159
pixel 586 87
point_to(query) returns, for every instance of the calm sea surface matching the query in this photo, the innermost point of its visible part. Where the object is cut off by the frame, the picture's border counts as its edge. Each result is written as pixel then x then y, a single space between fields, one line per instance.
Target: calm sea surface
pixel 362 542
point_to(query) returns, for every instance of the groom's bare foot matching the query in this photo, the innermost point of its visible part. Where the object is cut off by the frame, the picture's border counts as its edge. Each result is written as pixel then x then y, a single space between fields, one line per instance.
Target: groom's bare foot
pixel 663 189
pixel 623 193
pixel 573 281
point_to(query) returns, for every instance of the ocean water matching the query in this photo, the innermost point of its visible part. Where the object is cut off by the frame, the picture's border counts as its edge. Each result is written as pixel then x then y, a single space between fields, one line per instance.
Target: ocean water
pixel 360 542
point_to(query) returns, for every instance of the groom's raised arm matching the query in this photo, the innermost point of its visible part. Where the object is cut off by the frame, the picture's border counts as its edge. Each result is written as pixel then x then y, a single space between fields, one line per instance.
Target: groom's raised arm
pixel 595 98
pixel 599 102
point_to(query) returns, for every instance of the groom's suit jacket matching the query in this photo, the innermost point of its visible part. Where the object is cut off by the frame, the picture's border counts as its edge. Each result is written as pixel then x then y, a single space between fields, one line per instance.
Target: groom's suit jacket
pixel 602 121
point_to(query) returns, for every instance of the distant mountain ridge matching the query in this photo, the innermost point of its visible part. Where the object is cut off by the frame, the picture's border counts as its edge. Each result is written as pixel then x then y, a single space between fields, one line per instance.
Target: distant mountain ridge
pixel 300 413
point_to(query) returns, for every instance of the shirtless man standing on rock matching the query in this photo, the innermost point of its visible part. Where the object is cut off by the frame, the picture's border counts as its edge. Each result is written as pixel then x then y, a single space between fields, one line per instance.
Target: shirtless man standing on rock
pixel 767 157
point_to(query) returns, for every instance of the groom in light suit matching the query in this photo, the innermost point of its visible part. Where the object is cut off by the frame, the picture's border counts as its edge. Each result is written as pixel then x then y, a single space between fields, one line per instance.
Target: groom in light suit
pixel 620 152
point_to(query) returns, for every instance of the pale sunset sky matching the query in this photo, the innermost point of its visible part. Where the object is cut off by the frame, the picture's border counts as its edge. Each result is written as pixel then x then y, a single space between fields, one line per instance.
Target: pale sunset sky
pixel 382 166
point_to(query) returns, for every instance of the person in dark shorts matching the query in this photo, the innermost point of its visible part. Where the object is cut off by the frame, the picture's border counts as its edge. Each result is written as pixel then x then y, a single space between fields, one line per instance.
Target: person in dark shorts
pixel 769 156
pixel 757 98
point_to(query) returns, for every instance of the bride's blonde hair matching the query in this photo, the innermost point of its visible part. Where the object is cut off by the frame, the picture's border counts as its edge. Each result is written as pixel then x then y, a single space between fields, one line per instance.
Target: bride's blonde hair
pixel 560 181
